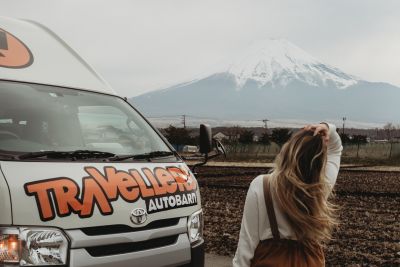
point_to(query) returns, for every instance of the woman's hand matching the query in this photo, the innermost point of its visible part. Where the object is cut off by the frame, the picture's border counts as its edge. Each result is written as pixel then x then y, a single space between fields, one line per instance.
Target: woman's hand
pixel 322 129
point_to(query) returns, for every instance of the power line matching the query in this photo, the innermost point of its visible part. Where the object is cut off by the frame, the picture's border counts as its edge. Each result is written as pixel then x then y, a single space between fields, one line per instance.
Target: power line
pixel 183 120
pixel 165 116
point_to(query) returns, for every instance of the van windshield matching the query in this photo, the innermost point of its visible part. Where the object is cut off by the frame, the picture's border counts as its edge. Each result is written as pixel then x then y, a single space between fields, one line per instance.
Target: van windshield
pixel 37 118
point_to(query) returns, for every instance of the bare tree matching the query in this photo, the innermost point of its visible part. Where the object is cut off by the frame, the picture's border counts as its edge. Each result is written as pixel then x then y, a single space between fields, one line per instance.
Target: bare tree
pixel 389 128
pixel 234 133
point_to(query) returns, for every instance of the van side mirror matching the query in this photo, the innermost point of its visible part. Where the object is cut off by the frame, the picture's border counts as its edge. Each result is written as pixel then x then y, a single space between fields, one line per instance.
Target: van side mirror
pixel 208 145
pixel 205 139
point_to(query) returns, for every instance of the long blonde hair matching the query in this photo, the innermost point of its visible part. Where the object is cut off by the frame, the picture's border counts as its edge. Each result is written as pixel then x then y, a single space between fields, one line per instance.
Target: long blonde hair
pixel 302 190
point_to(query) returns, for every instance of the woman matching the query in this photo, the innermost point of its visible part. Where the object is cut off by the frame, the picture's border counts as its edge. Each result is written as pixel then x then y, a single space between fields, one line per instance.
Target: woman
pixel 288 225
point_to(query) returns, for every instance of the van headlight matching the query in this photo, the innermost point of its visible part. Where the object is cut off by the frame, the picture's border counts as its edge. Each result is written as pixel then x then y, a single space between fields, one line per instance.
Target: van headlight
pixel 33 246
pixel 195 228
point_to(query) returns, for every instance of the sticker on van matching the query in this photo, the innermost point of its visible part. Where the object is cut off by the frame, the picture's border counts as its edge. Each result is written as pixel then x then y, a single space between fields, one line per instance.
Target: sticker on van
pixel 13 52
pixel 161 189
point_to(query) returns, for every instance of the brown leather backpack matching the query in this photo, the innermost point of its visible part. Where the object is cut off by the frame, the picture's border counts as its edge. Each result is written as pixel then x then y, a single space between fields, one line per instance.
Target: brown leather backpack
pixel 278 252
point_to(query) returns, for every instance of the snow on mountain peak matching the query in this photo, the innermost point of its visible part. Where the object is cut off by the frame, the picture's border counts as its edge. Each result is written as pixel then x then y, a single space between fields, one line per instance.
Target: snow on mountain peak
pixel 278 62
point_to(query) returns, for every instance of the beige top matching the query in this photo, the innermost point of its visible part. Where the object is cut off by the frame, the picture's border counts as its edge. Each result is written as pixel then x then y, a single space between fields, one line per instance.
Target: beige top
pixel 255 223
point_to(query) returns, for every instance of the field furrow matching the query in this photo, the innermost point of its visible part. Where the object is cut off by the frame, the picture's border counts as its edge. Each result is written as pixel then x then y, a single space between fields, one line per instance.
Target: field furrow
pixel 369 212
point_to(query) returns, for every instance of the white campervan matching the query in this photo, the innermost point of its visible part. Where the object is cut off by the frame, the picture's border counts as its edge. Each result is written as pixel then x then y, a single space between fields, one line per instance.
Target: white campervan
pixel 85 180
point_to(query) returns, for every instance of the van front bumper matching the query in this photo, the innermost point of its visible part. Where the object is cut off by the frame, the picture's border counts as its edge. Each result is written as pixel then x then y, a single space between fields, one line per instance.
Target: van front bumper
pixel 166 246
pixel 178 254
pixel 173 255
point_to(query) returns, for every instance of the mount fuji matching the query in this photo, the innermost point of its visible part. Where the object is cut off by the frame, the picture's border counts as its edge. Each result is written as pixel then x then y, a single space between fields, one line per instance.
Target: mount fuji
pixel 277 80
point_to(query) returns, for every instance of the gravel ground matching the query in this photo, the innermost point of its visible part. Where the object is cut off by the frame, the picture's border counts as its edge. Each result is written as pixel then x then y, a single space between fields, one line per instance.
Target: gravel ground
pixel 213 260
pixel 369 234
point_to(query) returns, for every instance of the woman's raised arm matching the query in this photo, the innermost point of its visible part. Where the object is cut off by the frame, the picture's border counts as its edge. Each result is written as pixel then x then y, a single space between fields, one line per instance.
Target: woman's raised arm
pixel 334 143
pixel 334 154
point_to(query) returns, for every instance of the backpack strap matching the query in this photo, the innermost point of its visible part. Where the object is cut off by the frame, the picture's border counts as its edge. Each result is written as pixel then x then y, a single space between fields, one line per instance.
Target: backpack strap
pixel 270 209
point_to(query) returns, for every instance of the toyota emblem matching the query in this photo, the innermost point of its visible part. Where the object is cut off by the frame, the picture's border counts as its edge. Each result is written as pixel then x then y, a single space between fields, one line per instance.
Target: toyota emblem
pixel 138 216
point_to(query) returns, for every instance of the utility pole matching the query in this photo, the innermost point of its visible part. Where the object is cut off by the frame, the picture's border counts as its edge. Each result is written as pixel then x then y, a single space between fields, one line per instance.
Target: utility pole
pixel 344 120
pixel 265 121
pixel 184 121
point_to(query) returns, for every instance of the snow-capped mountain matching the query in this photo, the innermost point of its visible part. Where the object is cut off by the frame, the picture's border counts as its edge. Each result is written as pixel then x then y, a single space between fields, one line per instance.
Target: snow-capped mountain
pixel 278 62
pixel 277 80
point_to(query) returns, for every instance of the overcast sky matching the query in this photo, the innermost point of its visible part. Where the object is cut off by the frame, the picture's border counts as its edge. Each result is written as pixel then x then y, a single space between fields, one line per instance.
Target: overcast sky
pixel 145 45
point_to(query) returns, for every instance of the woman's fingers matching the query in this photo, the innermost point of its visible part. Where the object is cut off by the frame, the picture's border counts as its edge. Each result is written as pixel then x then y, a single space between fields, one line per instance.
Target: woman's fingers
pixel 318 130
pixel 321 129
pixel 309 127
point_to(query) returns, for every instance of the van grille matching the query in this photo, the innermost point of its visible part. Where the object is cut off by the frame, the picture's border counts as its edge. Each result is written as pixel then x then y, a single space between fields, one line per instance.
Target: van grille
pixel 121 228
pixel 115 249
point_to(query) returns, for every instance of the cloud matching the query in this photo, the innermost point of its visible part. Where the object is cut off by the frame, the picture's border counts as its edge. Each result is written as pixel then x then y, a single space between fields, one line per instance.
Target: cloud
pixel 145 45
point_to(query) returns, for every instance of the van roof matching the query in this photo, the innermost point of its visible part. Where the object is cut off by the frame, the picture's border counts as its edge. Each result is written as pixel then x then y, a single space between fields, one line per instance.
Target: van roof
pixel 30 52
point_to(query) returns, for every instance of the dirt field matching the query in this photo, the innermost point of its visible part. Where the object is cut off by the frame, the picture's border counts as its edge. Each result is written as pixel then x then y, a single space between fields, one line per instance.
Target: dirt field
pixel 369 202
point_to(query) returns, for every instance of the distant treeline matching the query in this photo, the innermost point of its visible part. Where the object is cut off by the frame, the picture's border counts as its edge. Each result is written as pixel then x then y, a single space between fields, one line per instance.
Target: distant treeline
pixel 180 137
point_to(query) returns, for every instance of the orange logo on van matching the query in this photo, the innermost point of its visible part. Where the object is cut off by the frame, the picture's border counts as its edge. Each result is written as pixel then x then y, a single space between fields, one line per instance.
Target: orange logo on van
pixel 161 189
pixel 13 52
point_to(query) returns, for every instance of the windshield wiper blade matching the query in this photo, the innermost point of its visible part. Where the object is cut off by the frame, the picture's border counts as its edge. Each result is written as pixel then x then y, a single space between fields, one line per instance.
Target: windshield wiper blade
pixel 7 156
pixel 76 154
pixel 150 155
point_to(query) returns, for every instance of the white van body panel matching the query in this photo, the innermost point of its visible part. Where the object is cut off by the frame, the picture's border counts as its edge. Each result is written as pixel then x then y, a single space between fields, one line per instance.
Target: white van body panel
pixel 114 213
pixel 20 174
pixel 5 205
pixel 54 62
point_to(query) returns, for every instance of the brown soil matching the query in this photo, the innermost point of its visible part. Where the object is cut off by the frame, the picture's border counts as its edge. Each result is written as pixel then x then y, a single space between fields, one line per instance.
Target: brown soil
pixel 369 234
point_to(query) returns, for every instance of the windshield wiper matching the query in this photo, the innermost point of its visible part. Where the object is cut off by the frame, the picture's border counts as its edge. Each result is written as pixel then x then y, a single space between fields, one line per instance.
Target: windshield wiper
pixel 77 154
pixel 150 155
pixel 7 156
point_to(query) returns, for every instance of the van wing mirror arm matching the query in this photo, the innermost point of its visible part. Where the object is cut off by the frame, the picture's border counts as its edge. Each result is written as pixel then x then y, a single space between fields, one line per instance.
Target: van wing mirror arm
pixel 206 158
pixel 219 150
